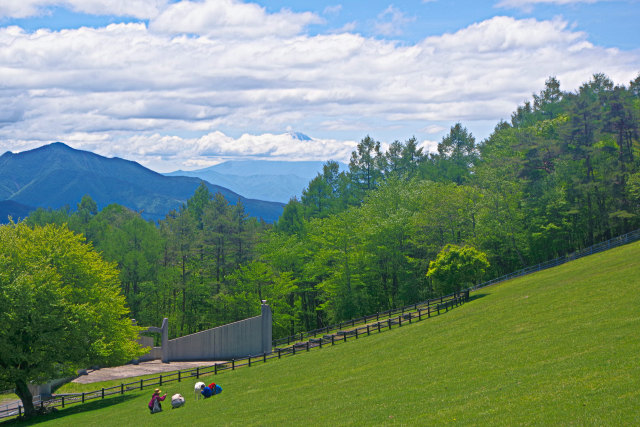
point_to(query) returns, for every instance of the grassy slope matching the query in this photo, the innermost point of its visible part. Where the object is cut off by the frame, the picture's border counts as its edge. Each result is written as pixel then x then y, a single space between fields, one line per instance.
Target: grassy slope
pixel 558 347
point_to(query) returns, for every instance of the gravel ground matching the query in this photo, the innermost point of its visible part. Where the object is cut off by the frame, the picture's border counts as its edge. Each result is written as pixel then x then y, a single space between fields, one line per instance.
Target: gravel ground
pixel 143 368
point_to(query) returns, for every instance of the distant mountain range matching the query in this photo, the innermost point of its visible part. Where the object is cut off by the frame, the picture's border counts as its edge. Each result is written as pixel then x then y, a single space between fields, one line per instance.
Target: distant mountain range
pixel 56 175
pixel 276 181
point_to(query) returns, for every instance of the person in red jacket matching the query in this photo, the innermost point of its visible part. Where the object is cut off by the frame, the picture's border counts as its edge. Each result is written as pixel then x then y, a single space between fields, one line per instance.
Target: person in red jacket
pixel 210 390
pixel 154 403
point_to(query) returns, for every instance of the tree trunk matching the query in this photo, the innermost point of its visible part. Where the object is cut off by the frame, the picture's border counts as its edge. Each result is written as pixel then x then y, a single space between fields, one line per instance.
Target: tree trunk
pixel 25 395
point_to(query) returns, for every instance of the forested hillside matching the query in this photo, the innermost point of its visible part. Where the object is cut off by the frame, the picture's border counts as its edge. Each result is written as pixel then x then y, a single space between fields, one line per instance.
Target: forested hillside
pixel 564 173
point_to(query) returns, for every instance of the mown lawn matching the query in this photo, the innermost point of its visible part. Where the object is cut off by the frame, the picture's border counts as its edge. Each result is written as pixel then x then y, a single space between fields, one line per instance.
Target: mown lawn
pixel 560 347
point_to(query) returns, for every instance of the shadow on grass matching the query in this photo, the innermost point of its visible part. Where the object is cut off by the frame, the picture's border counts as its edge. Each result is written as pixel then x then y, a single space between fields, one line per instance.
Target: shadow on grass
pixel 69 410
pixel 476 296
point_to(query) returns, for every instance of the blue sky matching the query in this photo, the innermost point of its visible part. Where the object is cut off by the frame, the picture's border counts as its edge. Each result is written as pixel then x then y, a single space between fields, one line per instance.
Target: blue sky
pixel 186 84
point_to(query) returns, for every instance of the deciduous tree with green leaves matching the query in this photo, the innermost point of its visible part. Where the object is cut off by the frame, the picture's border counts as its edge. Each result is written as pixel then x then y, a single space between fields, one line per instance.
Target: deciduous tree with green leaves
pixel 457 267
pixel 61 308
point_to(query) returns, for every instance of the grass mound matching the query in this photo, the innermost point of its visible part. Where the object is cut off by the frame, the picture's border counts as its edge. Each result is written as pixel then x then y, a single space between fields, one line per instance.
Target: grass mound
pixel 558 347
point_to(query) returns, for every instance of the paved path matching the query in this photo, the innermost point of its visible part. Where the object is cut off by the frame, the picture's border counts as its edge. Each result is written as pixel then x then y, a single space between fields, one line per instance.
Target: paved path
pixel 143 368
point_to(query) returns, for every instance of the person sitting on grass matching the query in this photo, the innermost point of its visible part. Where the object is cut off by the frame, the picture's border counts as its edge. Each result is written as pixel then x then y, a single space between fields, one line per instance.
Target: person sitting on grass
pixel 206 391
pixel 154 403
pixel 210 390
pixel 215 388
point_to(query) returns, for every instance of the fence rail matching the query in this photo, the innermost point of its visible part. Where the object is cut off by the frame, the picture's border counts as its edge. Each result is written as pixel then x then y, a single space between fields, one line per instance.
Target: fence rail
pixel 301 336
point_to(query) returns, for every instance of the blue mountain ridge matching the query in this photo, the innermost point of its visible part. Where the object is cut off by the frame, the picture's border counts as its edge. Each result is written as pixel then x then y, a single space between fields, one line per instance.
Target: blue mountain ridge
pixel 56 175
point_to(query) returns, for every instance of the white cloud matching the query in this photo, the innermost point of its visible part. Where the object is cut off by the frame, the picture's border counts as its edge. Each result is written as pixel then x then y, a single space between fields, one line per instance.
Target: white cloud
pixel 332 10
pixel 391 22
pixel 166 153
pixel 149 95
pixel 143 9
pixel 230 19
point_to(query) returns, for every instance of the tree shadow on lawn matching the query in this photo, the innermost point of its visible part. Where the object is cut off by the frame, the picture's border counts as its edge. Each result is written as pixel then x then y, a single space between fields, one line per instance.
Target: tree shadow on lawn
pixel 69 410
pixel 476 296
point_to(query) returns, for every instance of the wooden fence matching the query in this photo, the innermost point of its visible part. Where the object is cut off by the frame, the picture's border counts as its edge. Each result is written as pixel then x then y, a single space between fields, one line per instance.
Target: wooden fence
pixel 407 315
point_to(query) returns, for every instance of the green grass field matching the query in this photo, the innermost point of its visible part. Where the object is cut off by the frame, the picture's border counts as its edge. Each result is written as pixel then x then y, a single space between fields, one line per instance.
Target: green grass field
pixel 560 347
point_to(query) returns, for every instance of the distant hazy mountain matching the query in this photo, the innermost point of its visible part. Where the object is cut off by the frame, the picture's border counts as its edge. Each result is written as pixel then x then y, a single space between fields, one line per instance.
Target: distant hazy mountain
pixel 277 181
pixel 56 175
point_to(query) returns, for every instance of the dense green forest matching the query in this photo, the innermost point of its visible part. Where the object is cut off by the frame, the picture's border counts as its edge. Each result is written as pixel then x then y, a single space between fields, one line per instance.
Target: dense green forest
pixel 563 174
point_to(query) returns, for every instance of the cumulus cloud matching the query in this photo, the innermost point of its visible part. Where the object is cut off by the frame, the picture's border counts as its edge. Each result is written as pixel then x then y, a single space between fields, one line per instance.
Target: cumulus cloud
pixel 166 153
pixel 230 19
pixel 143 9
pixel 150 93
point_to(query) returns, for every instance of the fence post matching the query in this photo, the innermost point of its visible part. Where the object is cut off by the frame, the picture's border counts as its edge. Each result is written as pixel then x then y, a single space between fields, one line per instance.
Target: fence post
pixel 279 353
pixel 400 320
pixel 389 321
pixel 307 345
pixel 345 336
pixel 103 392
pixel 63 401
pixel 179 376
pixel 379 327
pixel 83 397
pixel 121 388
pixel 356 333
pixel 264 357
pixel 141 383
pixel 233 364
pixel 249 361
pixel 215 369
pixel 332 339
pixel 294 349
pixel 419 314
pixel 160 380
pixel 197 371
pixel 368 331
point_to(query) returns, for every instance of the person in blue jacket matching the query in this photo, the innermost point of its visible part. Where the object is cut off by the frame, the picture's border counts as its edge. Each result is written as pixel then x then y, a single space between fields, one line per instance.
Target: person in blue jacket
pixel 210 390
pixel 206 391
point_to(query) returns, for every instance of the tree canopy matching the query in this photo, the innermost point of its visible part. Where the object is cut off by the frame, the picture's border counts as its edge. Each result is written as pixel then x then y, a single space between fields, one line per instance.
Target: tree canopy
pixel 457 267
pixel 61 308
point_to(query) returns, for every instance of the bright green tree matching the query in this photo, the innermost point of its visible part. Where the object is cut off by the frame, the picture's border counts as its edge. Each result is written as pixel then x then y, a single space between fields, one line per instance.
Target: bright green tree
pixel 457 267
pixel 61 308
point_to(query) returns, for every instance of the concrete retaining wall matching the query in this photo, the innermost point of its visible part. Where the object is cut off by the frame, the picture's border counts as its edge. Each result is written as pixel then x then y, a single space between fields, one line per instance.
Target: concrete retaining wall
pixel 247 337
pixel 153 354
pixel 222 343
